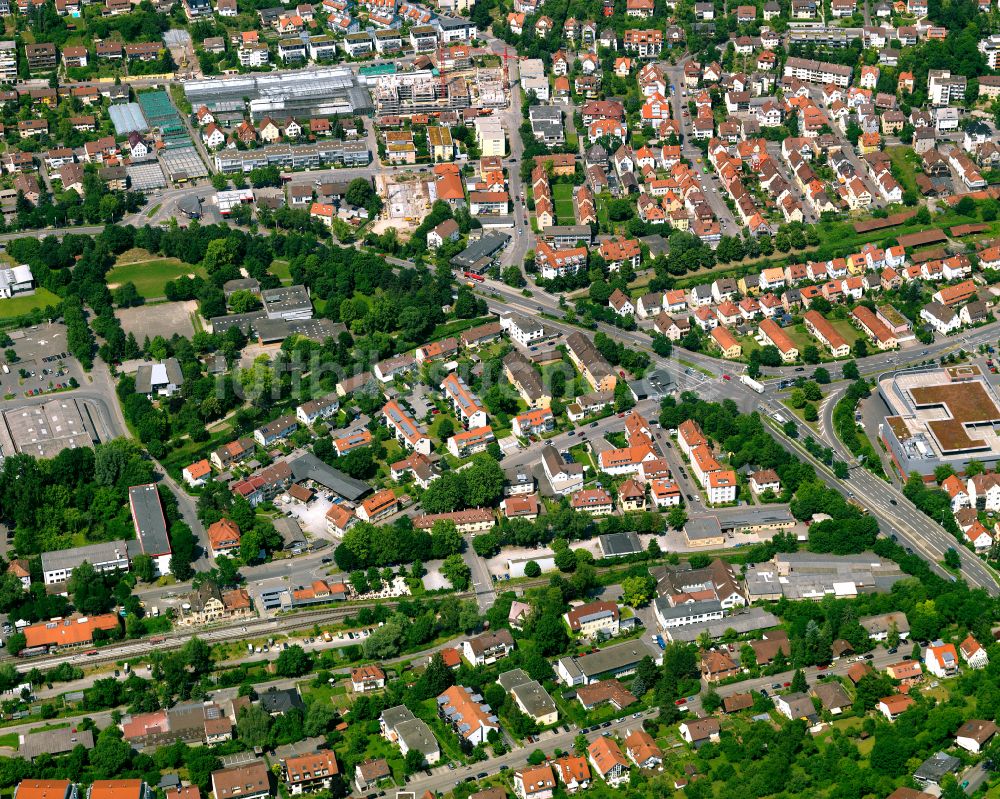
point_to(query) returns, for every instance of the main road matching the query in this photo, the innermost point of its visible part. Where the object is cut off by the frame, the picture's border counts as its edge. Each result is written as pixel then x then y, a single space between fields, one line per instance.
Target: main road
pixel 896 514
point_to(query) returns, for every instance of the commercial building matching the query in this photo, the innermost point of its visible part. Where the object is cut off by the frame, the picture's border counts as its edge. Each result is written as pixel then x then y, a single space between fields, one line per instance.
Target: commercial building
pixel 619 660
pixel 72 631
pixel 150 525
pixel 47 429
pixel 104 557
pixel 939 417
pixel 291 157
pixel 807 575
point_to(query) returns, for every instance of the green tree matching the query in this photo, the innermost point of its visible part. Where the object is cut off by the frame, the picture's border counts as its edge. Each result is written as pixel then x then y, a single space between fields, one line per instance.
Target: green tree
pixel 532 569
pixel 676 517
pixel 711 701
pixel 254 726
pixel 638 591
pixel 142 565
pixel 293 662
pixel 457 572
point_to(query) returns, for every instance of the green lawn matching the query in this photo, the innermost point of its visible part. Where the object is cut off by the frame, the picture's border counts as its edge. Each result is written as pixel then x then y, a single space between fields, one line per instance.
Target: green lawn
pixel 801 337
pixel 280 269
pixel 904 160
pixel 150 277
pixel 13 307
pixel 846 329
pixel 562 197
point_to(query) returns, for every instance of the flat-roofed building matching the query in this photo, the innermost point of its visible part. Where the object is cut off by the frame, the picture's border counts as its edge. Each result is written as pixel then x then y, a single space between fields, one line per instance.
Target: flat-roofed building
pixel 104 557
pixel 150 525
pixel 939 417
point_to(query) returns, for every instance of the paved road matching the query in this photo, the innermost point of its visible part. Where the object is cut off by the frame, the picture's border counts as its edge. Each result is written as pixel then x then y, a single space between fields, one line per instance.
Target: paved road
pixel 443 780
pixel 896 515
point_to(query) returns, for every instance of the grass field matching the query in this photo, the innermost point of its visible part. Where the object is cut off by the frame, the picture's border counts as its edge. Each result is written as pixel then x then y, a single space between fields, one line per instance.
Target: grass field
pixel 847 330
pixel 905 162
pixel 150 277
pixel 279 268
pixel 16 306
pixel 562 196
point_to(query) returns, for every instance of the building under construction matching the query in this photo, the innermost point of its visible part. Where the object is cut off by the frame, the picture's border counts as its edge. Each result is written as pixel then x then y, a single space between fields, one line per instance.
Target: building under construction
pixel 421 92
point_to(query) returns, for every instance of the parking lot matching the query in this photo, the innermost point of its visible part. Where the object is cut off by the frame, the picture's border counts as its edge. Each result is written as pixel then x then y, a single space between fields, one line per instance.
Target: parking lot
pixel 42 364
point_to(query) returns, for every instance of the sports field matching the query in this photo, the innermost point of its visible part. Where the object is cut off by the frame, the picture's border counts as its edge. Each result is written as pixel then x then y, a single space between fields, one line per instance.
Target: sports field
pixel 151 276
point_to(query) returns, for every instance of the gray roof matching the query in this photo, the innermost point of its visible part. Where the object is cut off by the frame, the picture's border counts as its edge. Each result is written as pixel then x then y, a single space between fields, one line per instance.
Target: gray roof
pixel 105 552
pixel 936 766
pixel 702 527
pixel 749 621
pixel 147 515
pixel 275 700
pixel 486 246
pixel 308 467
pixel 286 299
pixel 396 715
pixel 144 375
pixel 417 735
pixel 832 695
pixel 618 544
pixel 534 698
pixel 280 329
pixel 510 679
pixel 54 742
pixel 618 657
pixel 881 623
pixel 668 611
pixel 800 705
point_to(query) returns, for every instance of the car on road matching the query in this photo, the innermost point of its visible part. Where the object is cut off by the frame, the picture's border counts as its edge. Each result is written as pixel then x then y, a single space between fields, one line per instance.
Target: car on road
pixel 776 686
pixel 593 424
pixel 726 377
pixel 893 502
pixel 763 693
pixel 786 685
pixel 482 775
pixel 605 725
pixel 800 368
pixel 504 767
pixel 894 650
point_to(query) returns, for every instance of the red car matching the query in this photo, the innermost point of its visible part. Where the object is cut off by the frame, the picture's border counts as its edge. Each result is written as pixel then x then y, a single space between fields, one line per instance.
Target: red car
pixel 726 377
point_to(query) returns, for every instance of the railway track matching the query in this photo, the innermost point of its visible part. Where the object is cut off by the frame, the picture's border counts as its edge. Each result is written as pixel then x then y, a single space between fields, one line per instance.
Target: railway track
pixel 256 628
pixel 175 640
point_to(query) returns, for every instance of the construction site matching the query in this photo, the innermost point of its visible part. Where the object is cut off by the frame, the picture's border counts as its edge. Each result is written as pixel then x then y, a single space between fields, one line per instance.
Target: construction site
pixel 453 84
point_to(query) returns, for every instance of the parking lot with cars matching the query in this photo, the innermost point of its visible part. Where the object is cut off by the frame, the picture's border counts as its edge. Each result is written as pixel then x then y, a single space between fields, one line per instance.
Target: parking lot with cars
pixel 40 364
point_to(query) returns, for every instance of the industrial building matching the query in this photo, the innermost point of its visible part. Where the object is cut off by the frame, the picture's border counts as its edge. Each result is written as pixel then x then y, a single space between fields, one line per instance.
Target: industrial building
pixel 47 429
pixel 325 92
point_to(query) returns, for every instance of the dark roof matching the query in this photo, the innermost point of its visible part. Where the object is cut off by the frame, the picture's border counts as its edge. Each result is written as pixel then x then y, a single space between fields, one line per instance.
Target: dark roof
pixel 308 467
pixel 147 516
pixel 278 700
